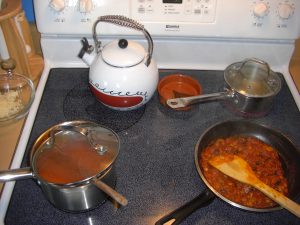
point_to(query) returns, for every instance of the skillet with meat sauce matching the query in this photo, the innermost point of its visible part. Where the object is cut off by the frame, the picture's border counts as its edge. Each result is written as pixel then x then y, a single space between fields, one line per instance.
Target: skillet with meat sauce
pixel 288 154
pixel 264 161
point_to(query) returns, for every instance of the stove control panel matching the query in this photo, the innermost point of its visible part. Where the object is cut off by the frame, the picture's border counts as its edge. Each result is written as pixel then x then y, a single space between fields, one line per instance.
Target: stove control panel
pixel 261 9
pixel 262 19
pixel 279 15
pixel 193 11
pixel 84 6
pixel 285 10
pixel 57 5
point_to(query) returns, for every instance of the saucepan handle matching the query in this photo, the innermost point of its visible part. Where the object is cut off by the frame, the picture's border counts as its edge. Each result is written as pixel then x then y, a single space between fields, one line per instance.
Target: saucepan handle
pixel 186 101
pixel 178 215
pixel 16 174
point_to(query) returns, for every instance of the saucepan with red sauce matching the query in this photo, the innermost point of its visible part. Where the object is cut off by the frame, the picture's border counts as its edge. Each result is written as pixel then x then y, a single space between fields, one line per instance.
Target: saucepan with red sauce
pixel 272 156
pixel 73 164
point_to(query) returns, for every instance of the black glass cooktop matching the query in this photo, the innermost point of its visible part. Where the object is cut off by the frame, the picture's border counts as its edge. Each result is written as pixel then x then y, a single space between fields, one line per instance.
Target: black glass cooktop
pixel 80 103
pixel 155 168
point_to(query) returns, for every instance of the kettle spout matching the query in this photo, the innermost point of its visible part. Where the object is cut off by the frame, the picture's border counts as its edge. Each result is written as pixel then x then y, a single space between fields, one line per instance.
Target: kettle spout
pixel 87 53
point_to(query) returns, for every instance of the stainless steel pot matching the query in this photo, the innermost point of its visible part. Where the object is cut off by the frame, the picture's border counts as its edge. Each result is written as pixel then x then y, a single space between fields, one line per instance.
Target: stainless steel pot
pixel 249 89
pixel 78 191
pixel 289 155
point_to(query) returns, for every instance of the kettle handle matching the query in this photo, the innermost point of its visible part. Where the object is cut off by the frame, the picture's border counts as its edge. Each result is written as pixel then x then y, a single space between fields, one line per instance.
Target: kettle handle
pixel 124 22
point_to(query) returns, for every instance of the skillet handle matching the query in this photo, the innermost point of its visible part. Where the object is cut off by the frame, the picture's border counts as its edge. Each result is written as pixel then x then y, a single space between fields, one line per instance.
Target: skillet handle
pixel 178 215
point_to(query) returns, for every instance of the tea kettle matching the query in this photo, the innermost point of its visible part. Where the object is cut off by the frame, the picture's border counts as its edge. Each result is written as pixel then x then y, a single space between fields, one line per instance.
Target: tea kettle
pixel 122 75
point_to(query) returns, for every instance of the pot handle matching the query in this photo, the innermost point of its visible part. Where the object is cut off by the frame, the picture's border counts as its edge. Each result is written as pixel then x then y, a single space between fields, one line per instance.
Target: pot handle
pixel 56 129
pixel 124 22
pixel 183 102
pixel 255 64
pixel 178 215
pixel 100 149
pixel 16 174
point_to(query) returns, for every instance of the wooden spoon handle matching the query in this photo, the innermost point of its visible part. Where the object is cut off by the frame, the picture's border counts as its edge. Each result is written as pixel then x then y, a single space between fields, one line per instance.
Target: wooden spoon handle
pixel 111 192
pixel 285 202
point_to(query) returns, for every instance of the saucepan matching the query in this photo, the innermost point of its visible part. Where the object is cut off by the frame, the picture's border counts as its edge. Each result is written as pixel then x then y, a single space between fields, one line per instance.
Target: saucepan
pixel 73 164
pixel 288 153
pixel 249 90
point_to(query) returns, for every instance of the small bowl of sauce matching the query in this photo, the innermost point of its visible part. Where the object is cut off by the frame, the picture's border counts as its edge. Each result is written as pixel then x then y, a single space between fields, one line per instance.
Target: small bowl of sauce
pixel 178 86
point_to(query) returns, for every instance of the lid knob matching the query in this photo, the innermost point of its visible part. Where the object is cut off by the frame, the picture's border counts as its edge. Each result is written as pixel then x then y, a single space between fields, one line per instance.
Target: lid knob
pixel 9 64
pixel 123 43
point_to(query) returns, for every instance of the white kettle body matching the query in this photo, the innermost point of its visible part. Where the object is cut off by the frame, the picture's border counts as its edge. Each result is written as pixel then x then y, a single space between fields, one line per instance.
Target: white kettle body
pixel 123 76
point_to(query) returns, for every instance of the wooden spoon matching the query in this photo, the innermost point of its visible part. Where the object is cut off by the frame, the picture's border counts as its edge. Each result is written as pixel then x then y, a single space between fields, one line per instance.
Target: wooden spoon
pixel 239 169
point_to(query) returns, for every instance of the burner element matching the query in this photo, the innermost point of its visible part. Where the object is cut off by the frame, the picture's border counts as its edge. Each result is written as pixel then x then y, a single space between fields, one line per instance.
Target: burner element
pixel 79 103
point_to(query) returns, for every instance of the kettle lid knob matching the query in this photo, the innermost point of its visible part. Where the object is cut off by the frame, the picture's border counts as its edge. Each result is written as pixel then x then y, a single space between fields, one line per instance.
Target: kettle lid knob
pixel 123 43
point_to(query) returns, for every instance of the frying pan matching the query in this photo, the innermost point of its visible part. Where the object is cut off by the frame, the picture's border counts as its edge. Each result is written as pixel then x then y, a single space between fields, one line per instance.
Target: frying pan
pixel 288 153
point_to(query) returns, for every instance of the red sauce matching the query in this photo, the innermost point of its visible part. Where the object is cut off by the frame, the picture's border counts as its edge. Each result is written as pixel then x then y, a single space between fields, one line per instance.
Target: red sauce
pixel 69 162
pixel 262 158
pixel 178 86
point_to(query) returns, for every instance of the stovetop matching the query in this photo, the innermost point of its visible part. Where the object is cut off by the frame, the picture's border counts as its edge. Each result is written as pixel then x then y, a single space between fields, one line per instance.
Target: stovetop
pixel 155 167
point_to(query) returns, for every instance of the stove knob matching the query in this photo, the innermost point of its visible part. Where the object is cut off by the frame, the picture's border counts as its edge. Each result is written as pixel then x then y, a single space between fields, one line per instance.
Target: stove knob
pixel 285 10
pixel 85 6
pixel 260 10
pixel 57 5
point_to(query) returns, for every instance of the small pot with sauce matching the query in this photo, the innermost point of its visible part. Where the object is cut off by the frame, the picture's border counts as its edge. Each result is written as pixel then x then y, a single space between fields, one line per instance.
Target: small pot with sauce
pixel 73 164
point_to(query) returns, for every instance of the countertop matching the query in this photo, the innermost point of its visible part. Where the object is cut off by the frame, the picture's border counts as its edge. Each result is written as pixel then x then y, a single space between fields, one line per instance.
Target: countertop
pixel 295 65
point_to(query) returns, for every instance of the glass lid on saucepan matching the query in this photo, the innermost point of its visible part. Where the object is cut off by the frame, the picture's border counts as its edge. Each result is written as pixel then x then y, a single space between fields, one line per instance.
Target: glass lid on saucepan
pixel 252 78
pixel 73 154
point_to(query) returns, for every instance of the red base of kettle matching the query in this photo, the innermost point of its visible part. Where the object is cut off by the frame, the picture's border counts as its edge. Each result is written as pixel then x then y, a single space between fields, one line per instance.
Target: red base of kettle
pixel 117 102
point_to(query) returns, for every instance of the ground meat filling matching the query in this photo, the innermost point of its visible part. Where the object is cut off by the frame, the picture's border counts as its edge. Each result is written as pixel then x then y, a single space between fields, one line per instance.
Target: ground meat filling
pixel 264 161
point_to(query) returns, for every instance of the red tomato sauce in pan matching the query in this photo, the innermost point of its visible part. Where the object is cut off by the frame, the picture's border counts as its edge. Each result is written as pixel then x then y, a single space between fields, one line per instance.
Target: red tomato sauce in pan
pixel 263 159
pixel 69 163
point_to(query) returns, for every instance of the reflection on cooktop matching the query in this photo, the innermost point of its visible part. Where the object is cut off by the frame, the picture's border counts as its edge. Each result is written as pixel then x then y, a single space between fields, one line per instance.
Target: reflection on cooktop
pixel 92 110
